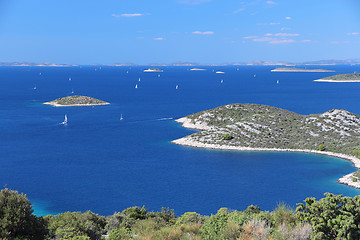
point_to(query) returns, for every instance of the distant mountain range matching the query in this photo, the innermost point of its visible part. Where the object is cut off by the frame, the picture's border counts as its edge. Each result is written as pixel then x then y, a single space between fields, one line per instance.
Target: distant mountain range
pixel 259 63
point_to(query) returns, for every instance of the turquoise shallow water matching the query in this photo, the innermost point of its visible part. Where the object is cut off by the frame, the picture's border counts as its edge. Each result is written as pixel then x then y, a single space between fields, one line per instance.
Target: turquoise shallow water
pixel 100 163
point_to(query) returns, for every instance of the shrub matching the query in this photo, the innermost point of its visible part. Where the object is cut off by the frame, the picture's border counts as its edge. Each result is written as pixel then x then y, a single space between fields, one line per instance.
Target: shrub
pixel 215 225
pixel 119 234
pixel 190 218
pixel 227 136
pixel 283 214
pixel 17 220
pixel 321 147
pixel 76 224
pixel 332 217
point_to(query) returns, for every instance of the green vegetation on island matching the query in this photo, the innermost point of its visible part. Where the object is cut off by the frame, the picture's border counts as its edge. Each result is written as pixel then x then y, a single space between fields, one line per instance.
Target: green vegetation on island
pixel 153 70
pixel 76 100
pixel 256 127
pixel 348 77
pixel 261 126
pixel 332 217
pixel 293 69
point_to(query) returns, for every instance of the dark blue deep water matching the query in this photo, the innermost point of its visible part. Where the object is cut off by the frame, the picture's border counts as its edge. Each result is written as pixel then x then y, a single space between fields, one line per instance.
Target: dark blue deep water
pixel 100 163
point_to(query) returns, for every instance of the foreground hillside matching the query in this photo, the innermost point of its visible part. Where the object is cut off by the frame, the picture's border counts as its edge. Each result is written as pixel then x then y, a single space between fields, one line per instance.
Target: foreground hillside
pixel 332 217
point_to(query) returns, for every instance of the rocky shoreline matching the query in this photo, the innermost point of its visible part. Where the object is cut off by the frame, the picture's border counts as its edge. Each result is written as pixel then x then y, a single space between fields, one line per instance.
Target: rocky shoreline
pixel 186 141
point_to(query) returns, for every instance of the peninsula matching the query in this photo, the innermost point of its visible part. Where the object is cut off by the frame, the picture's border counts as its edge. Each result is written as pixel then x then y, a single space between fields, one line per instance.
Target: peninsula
pixel 292 69
pixel 253 127
pixel 349 77
pixel 76 100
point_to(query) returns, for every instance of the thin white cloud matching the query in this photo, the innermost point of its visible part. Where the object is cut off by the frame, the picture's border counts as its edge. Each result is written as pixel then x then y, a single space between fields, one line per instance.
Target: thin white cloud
pixel 268 34
pixel 288 18
pixel 271 2
pixel 158 39
pixel 306 40
pixel 262 39
pixel 245 5
pixel 354 33
pixel 286 34
pixel 281 41
pixel 250 37
pixel 128 15
pixel 203 33
pixel 271 40
pixel 284 29
pixel 193 2
pixel 265 24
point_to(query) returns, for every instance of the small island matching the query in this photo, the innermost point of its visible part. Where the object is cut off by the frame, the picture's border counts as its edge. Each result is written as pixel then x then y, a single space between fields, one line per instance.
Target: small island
pixel 253 127
pixel 153 70
pixel 292 69
pixel 197 69
pixel 76 100
pixel 349 77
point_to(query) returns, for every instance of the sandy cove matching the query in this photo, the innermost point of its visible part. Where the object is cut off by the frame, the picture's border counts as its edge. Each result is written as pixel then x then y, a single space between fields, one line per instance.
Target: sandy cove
pixel 186 122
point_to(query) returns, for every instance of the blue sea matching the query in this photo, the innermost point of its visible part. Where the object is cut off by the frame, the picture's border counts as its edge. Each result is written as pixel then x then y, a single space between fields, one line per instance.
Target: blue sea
pixel 100 163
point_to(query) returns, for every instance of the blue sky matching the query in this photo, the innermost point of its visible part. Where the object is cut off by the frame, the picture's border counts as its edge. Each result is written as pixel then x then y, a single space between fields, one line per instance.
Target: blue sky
pixel 166 31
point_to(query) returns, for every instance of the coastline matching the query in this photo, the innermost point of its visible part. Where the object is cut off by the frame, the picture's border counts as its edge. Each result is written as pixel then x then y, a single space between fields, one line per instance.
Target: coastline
pixel 74 105
pixel 185 141
pixel 274 70
pixel 337 81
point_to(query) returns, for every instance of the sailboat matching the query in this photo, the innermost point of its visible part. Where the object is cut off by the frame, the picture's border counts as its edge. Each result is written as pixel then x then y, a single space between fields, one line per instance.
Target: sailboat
pixel 136 86
pixel 177 86
pixel 254 75
pixel 139 79
pixel 69 78
pixel 121 117
pixel 65 120
pixel 34 87
pixel 221 81
pixel 72 91
pixel 277 82
pixel 158 75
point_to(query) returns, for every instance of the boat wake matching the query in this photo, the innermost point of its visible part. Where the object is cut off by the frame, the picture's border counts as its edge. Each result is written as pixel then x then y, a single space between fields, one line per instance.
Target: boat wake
pixel 163 119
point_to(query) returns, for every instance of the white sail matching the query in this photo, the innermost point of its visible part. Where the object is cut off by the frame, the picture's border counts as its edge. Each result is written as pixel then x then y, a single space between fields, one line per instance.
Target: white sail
pixel 139 79
pixel 121 117
pixel 136 86
pixel 65 120
pixel 177 86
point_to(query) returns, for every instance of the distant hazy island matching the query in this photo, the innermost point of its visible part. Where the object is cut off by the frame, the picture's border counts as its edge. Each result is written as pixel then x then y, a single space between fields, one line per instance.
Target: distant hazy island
pixel 77 100
pixel 292 69
pixel 349 77
pixel 153 70
pixel 252 127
